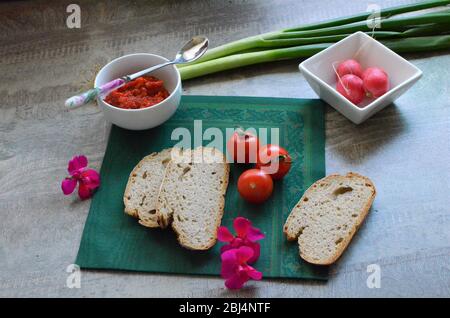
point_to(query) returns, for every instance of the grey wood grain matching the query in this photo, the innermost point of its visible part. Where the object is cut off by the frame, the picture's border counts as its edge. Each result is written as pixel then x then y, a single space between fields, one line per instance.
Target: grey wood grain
pixel 405 149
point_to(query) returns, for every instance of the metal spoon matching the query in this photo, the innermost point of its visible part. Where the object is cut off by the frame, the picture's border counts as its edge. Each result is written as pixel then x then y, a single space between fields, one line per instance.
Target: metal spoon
pixel 191 51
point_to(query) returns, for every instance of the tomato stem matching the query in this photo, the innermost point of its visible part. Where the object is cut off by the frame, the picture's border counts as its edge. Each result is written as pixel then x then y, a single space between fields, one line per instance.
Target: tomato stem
pixel 241 132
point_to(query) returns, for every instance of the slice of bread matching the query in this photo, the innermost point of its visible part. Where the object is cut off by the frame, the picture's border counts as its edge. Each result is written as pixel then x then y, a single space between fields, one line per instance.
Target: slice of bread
pixel 192 197
pixel 141 192
pixel 164 208
pixel 328 215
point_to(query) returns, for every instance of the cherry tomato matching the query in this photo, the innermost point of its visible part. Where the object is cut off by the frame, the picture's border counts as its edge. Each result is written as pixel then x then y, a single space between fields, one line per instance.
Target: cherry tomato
pixel 243 146
pixel 255 186
pixel 274 161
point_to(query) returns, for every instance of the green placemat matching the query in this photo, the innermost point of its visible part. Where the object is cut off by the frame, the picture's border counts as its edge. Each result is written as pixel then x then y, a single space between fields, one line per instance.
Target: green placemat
pixel 113 240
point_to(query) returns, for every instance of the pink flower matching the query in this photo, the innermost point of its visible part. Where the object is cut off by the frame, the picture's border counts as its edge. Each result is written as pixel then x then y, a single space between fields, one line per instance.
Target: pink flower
pixel 88 179
pixel 246 235
pixel 235 268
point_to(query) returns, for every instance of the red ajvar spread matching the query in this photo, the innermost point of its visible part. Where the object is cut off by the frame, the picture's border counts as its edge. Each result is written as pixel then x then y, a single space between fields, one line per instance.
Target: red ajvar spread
pixel 143 92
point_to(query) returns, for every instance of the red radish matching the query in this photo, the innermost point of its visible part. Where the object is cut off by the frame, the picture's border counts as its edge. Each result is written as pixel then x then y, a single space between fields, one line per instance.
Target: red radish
pixel 376 81
pixel 349 67
pixel 351 87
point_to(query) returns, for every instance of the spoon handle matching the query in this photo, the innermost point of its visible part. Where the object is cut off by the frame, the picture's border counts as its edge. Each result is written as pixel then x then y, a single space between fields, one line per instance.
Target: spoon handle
pixel 147 70
pixel 91 94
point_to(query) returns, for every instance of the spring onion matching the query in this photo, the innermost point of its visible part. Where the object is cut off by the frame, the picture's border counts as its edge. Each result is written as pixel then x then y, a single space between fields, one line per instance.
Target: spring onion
pixel 411 33
pixel 413 44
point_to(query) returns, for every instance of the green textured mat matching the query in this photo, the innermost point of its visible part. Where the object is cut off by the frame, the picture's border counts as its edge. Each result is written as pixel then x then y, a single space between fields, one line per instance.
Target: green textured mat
pixel 113 240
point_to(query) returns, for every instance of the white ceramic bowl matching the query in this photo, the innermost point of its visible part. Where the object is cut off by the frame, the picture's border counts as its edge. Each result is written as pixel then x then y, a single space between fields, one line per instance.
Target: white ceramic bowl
pixel 319 73
pixel 138 119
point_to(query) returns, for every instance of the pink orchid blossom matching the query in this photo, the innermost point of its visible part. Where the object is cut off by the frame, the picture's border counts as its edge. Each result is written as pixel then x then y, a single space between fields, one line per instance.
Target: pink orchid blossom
pixel 235 268
pixel 88 179
pixel 246 235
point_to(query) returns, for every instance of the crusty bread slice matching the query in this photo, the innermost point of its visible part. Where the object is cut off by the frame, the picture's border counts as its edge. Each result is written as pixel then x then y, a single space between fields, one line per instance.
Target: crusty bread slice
pixel 164 208
pixel 192 197
pixel 143 185
pixel 328 215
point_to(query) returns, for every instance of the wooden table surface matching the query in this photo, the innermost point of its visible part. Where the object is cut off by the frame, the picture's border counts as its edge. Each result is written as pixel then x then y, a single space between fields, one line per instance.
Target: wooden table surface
pixel 405 149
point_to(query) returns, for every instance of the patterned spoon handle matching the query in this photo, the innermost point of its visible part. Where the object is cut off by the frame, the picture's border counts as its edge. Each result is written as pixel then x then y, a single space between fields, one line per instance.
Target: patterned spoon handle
pixel 91 94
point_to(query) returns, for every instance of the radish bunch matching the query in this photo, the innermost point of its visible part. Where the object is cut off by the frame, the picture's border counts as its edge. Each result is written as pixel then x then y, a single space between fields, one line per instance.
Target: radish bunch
pixel 354 83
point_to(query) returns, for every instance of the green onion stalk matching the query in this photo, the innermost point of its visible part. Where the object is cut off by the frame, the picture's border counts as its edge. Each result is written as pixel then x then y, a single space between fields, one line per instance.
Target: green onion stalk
pixel 413 44
pixel 424 32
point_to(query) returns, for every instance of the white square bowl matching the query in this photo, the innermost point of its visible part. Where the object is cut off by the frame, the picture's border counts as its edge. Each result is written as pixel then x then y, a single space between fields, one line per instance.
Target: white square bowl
pixel 318 71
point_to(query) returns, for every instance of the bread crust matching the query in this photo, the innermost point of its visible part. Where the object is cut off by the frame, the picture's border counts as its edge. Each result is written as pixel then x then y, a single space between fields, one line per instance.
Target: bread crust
pixel 128 210
pixel 165 221
pixel 346 240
